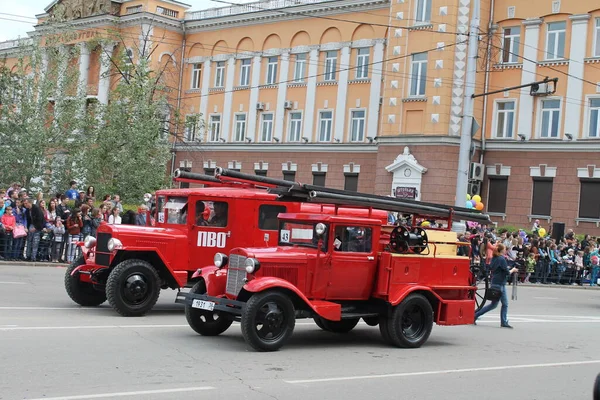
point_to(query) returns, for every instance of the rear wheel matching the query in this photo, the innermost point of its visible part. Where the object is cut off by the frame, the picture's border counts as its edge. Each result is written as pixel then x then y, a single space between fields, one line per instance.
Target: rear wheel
pixel 411 322
pixel 268 320
pixel 206 323
pixel 82 293
pixel 133 287
pixel 343 326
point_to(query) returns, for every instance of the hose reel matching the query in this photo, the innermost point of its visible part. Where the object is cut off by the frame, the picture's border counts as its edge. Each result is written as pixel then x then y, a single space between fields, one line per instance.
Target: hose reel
pixel 405 240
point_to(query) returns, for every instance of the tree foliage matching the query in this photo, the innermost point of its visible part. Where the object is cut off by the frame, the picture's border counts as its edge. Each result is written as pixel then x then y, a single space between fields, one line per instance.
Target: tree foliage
pixel 52 133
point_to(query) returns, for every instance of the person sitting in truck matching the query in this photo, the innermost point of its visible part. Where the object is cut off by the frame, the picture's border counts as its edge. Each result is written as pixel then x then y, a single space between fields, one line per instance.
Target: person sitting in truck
pixel 220 217
pixel 201 214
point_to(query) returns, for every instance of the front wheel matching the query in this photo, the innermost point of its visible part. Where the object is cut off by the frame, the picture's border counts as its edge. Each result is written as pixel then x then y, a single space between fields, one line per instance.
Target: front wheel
pixel 133 287
pixel 411 322
pixel 206 323
pixel 82 293
pixel 268 320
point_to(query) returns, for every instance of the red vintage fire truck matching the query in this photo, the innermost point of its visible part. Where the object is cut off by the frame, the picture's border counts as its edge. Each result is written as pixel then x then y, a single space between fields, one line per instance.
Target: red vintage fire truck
pixel 338 269
pixel 129 265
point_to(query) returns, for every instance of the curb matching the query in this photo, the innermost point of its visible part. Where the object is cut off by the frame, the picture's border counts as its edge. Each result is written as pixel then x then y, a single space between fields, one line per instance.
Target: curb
pixel 550 286
pixel 32 264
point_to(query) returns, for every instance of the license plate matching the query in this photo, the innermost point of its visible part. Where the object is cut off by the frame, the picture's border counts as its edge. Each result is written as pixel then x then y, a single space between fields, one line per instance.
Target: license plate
pixel 203 305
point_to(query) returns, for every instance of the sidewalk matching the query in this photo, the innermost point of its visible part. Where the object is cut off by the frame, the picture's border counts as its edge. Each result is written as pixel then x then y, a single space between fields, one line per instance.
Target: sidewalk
pixel 31 264
pixel 550 286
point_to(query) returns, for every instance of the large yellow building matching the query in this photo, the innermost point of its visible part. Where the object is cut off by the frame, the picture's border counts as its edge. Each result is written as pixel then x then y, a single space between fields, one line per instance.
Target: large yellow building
pixel 369 95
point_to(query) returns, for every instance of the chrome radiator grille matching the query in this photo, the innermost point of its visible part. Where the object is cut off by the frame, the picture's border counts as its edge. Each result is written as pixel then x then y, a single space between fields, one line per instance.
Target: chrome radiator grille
pixel 236 273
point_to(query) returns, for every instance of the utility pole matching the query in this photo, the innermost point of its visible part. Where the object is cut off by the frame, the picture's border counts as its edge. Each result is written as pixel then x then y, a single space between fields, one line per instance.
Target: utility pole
pixel 464 157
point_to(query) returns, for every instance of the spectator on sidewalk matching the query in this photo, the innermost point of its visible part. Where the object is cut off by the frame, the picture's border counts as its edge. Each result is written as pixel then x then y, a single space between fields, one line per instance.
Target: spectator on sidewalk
pixel 59 235
pixel 595 270
pixel 117 203
pixel 72 193
pixel 74 227
pixel 35 225
pixel 8 223
pixel 115 218
pixel 20 219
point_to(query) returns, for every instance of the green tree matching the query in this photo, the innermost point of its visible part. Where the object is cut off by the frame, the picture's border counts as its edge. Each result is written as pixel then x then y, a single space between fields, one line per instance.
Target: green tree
pixel 41 117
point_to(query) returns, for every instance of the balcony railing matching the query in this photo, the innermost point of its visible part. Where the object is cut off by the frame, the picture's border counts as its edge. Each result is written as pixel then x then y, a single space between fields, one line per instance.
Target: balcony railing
pixel 134 9
pixel 167 12
pixel 11 44
pixel 247 8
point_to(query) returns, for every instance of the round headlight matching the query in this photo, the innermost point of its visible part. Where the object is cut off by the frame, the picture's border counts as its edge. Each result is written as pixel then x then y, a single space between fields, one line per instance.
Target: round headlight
pixel 320 228
pixel 114 244
pixel 252 265
pixel 220 260
pixel 89 242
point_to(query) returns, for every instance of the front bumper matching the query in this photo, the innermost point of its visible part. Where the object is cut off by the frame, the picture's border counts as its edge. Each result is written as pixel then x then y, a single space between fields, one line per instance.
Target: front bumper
pixel 222 304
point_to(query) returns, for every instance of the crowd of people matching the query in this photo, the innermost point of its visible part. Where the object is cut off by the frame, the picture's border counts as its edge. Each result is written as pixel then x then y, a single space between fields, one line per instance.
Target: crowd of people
pixel 47 229
pixel 540 259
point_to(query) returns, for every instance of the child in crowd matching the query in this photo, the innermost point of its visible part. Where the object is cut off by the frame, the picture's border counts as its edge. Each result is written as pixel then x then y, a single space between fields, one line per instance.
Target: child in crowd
pixel 530 266
pixel 595 270
pixel 579 268
pixel 8 221
pixel 59 233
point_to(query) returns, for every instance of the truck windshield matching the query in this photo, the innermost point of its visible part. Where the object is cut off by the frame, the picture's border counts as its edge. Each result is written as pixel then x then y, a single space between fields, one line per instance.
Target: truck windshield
pixel 296 233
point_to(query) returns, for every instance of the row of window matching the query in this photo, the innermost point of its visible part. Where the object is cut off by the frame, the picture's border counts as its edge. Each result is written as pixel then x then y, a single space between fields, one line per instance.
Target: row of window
pixel 541 203
pixel 357 127
pixel 555 42
pixel 550 110
pixel 300 69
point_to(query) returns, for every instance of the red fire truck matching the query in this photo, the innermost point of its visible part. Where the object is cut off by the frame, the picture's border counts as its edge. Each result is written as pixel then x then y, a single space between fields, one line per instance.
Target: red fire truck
pixel 338 269
pixel 129 265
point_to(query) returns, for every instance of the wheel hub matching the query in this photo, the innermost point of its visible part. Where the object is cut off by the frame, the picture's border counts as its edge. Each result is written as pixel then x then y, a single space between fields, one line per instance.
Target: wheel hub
pixel 273 319
pixel 136 287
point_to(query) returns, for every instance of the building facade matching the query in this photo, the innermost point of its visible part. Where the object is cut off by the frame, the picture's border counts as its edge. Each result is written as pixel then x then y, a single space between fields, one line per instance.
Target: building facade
pixel 369 95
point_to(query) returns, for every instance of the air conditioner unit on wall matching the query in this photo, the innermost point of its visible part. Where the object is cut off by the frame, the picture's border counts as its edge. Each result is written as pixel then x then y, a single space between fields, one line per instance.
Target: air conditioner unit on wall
pixel 288 105
pixel 474 188
pixel 260 106
pixel 477 171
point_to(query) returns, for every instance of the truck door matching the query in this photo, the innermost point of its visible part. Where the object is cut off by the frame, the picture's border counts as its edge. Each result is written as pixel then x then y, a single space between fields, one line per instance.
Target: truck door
pixel 353 263
pixel 210 231
pixel 268 224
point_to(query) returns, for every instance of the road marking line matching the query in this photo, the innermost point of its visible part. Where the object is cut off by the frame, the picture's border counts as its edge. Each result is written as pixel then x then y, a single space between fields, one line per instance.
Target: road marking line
pixel 13 283
pixel 554 316
pixel 124 394
pixel 546 298
pixel 444 372
pixel 43 328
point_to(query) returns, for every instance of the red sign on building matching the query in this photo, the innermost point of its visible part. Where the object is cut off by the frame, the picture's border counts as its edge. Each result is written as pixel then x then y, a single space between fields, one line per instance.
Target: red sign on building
pixel 403 192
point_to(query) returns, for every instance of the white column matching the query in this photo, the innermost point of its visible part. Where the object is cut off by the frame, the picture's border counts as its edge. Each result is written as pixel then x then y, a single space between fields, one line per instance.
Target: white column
pixel 204 90
pixel 375 95
pixel 573 108
pixel 43 71
pixel 63 64
pixel 311 91
pixel 342 94
pixel 104 81
pixel 84 66
pixel 281 94
pixel 254 82
pixel 528 75
pixel 227 105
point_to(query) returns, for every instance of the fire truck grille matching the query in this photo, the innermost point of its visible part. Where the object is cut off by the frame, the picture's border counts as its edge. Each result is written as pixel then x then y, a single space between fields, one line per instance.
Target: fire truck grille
pixel 236 273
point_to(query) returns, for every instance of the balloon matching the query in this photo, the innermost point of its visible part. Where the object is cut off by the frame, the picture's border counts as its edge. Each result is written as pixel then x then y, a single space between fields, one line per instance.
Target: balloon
pixel 479 206
pixel 542 232
pixel 468 204
pixel 477 198
pixel 473 203
pixel 468 196
pixel 522 233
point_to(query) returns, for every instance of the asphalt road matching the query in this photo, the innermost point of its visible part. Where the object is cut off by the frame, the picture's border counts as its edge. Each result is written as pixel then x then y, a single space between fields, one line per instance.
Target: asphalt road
pixel 53 349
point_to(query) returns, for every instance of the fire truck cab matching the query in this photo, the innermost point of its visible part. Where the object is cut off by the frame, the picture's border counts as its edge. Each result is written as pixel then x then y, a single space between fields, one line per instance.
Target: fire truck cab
pixel 337 270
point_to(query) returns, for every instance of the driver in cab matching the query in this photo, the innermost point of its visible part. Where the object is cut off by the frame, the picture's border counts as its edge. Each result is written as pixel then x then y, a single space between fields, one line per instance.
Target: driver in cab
pixel 220 217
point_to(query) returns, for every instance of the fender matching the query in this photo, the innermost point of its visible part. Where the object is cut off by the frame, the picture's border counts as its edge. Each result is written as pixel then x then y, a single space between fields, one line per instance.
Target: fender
pixel 396 296
pixel 214 278
pixel 326 309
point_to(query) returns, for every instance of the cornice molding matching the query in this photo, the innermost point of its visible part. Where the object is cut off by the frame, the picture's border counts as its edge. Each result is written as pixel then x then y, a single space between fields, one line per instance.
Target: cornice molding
pixel 279 147
pixel 580 146
pixel 295 13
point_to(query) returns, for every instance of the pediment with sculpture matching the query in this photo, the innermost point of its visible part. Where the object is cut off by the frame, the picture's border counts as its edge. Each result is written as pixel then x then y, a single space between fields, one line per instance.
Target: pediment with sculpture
pixel 67 10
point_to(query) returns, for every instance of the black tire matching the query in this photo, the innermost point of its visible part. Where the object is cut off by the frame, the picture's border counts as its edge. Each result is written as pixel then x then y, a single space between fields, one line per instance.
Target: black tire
pixel 133 287
pixel 206 323
pixel 319 322
pixel 275 307
pixel 411 322
pixel 384 330
pixel 343 326
pixel 371 321
pixel 482 282
pixel 82 293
